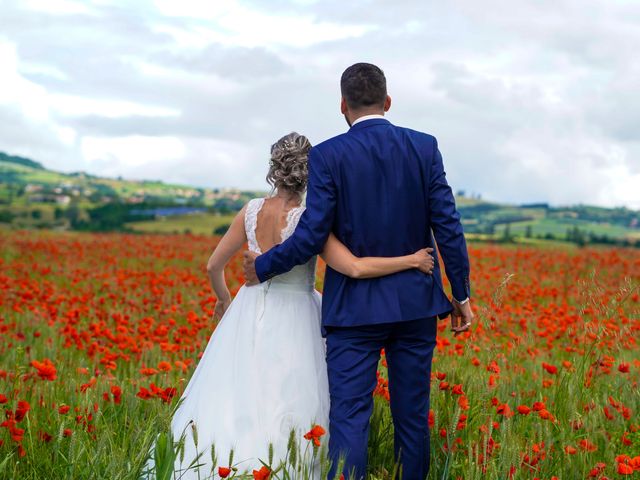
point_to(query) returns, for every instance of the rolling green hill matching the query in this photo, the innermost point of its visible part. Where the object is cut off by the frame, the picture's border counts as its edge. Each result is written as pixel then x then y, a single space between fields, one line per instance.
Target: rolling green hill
pixel 578 224
pixel 32 196
pixel 36 178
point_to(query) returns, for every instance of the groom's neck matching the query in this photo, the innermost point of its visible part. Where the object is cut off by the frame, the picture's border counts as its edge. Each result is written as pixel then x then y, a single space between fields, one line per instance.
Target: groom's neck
pixel 352 116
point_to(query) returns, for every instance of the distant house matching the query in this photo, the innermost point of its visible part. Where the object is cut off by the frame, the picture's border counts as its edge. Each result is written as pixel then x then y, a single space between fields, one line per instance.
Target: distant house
pixel 50 198
pixel 31 188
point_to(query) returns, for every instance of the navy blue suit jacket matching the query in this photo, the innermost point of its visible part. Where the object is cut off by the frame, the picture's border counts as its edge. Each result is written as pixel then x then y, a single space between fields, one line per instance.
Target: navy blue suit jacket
pixel 381 189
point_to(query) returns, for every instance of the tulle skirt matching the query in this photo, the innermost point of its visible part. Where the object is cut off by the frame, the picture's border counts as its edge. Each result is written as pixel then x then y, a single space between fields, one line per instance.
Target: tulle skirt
pixel 262 374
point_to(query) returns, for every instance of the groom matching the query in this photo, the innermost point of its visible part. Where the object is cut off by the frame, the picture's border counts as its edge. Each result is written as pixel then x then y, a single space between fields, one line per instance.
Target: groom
pixel 382 191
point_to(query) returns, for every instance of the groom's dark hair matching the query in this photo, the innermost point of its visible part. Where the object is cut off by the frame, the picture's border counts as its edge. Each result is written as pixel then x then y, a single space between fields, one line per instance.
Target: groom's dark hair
pixel 363 85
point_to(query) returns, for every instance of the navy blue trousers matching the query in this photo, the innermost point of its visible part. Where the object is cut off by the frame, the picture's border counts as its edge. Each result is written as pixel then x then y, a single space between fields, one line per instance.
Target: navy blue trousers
pixel 353 354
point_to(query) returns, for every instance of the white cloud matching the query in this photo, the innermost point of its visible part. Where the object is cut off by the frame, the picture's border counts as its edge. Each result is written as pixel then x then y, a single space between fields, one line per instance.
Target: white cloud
pixel 527 105
pixel 228 22
pixel 18 91
pixel 71 105
pixel 121 153
pixel 57 7
pixel 26 112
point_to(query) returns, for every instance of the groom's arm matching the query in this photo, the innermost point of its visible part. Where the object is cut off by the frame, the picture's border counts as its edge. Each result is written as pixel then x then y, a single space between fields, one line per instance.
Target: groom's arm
pixel 447 229
pixel 313 228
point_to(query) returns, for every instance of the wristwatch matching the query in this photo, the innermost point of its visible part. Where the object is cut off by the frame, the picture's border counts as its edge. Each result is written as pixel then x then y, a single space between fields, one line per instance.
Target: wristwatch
pixel 461 302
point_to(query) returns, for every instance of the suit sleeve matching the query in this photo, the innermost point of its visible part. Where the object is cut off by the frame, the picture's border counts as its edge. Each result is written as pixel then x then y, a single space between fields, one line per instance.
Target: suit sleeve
pixel 313 228
pixel 447 229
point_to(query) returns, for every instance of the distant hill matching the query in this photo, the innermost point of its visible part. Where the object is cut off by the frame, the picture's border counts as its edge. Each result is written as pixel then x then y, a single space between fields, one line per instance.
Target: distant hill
pixel 21 176
pixel 578 224
pixel 33 196
pixel 20 161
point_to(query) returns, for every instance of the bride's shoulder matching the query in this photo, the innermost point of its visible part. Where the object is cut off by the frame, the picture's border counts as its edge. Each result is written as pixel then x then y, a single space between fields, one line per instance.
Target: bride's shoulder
pixel 249 209
pixel 254 204
pixel 252 207
pixel 296 212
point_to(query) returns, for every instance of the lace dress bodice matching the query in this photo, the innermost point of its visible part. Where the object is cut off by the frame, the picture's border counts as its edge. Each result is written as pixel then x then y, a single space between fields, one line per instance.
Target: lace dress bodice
pixel 303 275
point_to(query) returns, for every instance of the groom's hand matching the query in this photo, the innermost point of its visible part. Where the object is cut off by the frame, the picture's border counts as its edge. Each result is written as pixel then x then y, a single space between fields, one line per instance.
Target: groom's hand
pixel 249 267
pixel 461 317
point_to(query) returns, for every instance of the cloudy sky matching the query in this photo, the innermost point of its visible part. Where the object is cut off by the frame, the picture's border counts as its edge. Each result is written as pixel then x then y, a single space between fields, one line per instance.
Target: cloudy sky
pixel 530 100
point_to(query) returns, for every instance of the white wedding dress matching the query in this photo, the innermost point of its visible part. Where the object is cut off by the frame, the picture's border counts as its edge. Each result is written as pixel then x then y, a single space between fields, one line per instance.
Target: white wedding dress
pixel 262 373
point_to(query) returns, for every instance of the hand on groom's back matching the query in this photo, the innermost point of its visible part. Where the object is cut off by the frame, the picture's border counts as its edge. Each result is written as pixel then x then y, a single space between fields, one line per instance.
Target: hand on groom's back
pixel 424 260
pixel 249 267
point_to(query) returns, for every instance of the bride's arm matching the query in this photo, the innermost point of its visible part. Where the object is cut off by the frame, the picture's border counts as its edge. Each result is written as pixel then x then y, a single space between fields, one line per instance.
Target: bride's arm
pixel 229 244
pixel 340 258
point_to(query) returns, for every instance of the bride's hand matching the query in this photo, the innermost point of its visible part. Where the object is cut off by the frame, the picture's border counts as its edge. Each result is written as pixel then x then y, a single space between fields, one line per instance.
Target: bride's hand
pixel 220 308
pixel 424 261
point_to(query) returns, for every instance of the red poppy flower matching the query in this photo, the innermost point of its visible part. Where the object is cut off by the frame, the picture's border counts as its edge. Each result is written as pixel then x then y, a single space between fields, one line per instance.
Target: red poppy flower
pixel 116 391
pixel 587 446
pixel 21 410
pixel 537 406
pixel 597 470
pixel 164 366
pixel 624 469
pixel 314 434
pixel 552 369
pixel 504 410
pixel 263 474
pixel 224 472
pixel 46 369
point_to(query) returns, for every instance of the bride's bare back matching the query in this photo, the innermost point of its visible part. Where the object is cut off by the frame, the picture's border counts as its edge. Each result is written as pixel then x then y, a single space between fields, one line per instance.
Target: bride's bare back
pixel 272 219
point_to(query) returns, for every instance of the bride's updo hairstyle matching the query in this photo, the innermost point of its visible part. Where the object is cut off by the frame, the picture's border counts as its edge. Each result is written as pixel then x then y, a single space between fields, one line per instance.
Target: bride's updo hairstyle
pixel 288 164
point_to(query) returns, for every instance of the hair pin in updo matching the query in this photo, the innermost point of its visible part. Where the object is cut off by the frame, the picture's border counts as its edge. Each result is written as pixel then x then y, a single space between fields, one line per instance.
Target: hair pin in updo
pixel 288 145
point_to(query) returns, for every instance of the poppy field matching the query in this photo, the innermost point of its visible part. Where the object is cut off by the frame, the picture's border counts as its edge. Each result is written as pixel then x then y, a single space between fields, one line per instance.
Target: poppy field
pixel 99 334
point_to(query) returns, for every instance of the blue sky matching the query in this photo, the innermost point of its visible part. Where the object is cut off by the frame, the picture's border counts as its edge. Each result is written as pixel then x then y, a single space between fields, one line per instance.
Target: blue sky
pixel 530 100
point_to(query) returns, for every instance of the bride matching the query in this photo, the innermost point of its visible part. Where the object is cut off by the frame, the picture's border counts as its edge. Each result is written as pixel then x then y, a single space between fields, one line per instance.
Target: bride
pixel 263 372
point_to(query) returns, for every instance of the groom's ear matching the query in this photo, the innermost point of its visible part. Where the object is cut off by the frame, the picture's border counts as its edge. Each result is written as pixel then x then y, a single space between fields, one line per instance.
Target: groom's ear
pixel 387 103
pixel 344 108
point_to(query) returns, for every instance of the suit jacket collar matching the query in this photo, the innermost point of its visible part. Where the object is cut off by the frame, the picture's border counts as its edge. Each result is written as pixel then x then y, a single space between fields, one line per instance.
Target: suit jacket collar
pixel 370 123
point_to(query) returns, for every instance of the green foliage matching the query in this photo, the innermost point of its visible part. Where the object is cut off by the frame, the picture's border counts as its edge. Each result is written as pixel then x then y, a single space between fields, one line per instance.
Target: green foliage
pixel 221 230
pixel 6 216
pixel 302 461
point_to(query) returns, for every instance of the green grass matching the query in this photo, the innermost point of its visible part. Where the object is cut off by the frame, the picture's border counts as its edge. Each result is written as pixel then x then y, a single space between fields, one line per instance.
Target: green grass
pixel 198 223
pixel 559 226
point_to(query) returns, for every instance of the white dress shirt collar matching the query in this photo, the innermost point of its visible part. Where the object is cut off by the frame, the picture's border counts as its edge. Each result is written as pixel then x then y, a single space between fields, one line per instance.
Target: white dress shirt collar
pixel 366 117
